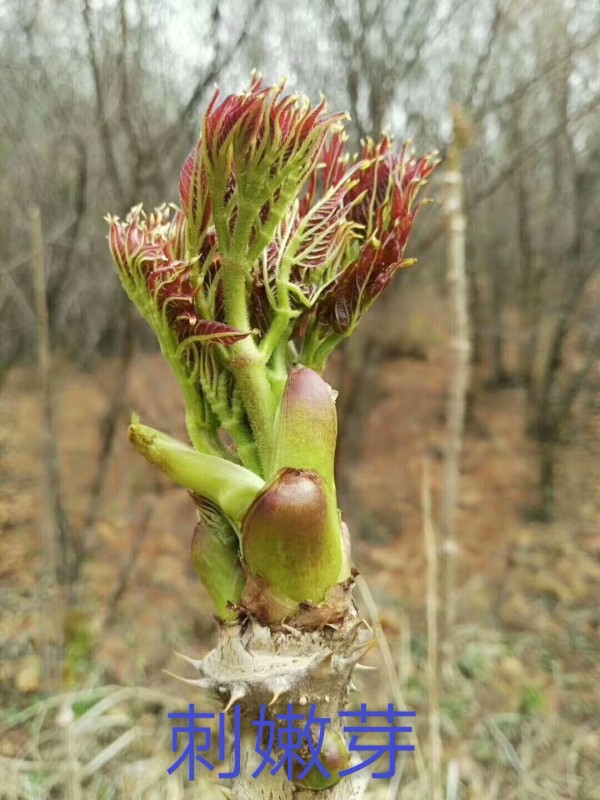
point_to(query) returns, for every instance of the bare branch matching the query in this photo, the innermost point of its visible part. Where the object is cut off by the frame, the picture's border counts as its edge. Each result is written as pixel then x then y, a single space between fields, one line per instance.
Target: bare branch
pixel 169 136
pixel 104 127
pixel 524 87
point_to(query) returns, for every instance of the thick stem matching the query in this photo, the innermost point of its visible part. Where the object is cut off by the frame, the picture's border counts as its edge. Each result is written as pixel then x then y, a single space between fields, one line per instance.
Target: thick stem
pixel 255 666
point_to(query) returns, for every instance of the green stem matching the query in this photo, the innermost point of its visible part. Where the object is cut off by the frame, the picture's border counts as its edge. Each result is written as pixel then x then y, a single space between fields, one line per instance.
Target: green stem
pixel 246 362
pixel 235 275
pixel 250 374
pixel 195 412
pixel 242 437
pixel 278 371
pixel 321 353
pixel 245 447
pixel 277 332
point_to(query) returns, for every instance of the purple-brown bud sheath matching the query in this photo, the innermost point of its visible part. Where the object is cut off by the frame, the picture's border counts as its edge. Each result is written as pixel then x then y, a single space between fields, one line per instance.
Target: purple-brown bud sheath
pixel 288 536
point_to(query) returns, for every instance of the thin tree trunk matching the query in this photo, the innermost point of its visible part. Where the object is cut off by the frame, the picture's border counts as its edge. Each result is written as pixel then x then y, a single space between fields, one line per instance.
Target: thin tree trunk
pixel 53 550
pixel 433 671
pixel 529 288
pixel 461 348
pixel 547 478
pixel 500 376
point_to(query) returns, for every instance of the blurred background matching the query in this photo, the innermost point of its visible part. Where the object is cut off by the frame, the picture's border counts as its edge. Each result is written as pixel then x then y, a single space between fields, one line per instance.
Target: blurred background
pixel 469 399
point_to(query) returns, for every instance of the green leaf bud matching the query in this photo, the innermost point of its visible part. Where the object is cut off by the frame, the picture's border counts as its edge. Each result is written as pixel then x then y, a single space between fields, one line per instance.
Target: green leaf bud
pixel 306 426
pixel 231 487
pixel 216 559
pixel 290 538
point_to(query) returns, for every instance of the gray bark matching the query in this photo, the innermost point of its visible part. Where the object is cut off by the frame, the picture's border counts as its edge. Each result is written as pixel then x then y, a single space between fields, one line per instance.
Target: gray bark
pixel 253 665
pixel 461 346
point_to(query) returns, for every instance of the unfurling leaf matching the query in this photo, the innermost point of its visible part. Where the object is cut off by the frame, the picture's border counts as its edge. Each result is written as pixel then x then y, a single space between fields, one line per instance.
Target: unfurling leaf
pixel 258 149
pixel 195 200
pixel 384 196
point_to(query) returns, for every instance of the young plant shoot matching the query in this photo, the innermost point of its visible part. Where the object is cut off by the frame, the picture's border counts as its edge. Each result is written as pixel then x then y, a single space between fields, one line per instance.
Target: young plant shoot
pixel 281 242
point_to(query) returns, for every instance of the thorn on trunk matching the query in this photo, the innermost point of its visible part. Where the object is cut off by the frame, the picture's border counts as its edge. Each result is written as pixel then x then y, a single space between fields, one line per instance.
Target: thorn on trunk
pixel 196 663
pixel 201 683
pixel 363 649
pixel 277 686
pixel 238 690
